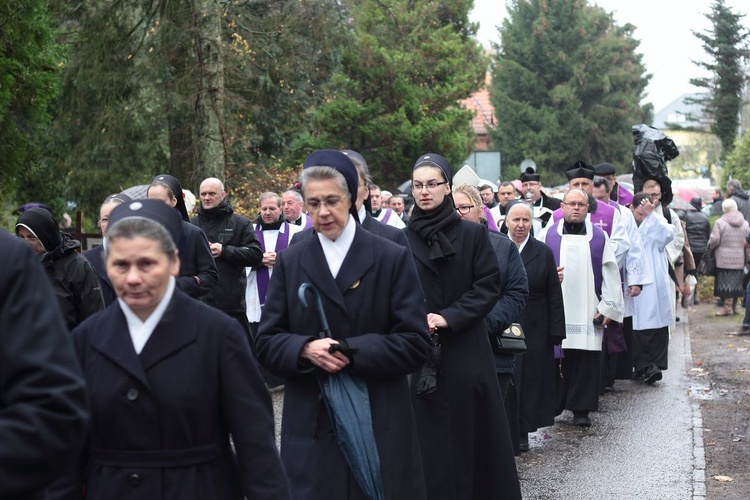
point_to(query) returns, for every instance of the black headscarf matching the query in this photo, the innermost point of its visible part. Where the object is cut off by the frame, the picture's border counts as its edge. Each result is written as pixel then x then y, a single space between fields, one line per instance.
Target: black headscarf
pixel 176 188
pixel 43 225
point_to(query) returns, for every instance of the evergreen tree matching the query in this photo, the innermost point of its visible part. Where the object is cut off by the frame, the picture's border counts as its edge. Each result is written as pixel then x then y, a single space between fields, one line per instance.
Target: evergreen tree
pixel 29 80
pixel 567 83
pixel 407 65
pixel 737 164
pixel 726 45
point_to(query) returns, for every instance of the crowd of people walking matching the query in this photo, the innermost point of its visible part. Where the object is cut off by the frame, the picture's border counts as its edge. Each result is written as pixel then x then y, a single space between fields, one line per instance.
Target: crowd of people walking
pixel 181 325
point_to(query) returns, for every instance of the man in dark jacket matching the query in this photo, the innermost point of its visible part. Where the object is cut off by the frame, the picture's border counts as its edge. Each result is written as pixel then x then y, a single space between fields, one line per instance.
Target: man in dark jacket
pixel 42 392
pixel 736 193
pixel 697 229
pixel 233 245
pixel 73 279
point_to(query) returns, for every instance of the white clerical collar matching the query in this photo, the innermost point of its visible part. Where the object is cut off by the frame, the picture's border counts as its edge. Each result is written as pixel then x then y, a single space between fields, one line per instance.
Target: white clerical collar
pixel 523 245
pixel 140 331
pixel 335 251
pixel 361 213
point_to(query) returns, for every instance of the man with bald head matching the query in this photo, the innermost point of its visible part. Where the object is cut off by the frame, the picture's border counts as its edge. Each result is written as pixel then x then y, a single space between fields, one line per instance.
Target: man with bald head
pixel 233 245
pixel 592 297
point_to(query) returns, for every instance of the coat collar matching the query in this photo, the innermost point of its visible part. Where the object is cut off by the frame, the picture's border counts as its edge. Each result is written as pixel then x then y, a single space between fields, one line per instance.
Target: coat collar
pixel 530 251
pixel 168 337
pixel 356 263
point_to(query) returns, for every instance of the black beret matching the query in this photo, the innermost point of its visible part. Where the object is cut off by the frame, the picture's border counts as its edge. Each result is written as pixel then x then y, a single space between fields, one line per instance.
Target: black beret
pixel 605 169
pixel 435 160
pixel 342 164
pixel 176 188
pixel 579 170
pixel 153 210
pixel 530 176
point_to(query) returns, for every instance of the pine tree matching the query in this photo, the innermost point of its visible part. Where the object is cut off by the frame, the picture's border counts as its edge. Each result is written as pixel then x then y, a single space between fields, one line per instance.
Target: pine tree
pixel 567 83
pixel 726 45
pixel 407 65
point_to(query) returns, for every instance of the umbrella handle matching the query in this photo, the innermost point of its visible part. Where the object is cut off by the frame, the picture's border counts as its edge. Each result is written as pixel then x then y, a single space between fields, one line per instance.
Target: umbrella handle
pixel 304 287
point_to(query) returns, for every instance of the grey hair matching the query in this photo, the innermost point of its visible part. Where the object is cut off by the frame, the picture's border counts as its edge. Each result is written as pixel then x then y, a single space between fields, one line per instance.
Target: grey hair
pixel 526 206
pixel 321 174
pixel 217 181
pixel 269 194
pixel 571 191
pixel 735 185
pixel 143 228
pixel 295 193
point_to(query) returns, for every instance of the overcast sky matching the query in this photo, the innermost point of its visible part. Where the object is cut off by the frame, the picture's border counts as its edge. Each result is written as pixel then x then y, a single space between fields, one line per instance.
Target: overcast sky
pixel 664 28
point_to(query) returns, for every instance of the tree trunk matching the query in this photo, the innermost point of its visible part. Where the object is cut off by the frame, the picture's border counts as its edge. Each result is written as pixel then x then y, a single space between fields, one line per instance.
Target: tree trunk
pixel 209 141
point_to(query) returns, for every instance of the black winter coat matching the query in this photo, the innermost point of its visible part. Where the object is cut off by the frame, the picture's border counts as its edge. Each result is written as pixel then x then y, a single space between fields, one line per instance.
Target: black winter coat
pixel 162 419
pixel 389 332
pixel 698 229
pixel 74 282
pixel 240 249
pixel 196 261
pixel 463 430
pixel 97 258
pixel 43 403
pixel 543 322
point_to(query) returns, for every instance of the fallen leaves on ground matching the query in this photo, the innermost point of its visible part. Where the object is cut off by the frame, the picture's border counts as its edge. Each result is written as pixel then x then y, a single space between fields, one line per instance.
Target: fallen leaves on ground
pixel 723 479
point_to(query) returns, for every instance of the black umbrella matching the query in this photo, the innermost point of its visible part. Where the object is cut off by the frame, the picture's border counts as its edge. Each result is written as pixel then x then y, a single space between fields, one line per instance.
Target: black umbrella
pixel 348 404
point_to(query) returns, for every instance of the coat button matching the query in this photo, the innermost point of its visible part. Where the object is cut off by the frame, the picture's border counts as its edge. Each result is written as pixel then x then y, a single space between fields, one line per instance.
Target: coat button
pixel 132 394
pixel 134 480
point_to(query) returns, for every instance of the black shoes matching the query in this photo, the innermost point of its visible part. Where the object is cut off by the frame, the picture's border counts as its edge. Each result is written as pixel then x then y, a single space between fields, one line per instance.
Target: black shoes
pixel 524 441
pixel 652 375
pixel 581 419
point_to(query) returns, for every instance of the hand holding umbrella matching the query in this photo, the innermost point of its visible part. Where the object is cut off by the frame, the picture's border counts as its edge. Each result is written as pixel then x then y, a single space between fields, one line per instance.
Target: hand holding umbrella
pixel 348 404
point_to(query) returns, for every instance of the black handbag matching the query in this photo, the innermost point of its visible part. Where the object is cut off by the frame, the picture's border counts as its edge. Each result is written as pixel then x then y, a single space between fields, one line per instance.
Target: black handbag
pixel 509 341
pixel 707 265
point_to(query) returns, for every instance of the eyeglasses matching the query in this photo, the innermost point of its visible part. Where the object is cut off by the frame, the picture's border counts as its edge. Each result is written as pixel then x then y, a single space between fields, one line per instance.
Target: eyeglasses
pixel 104 220
pixel 418 186
pixel 465 209
pixel 314 205
pixel 576 205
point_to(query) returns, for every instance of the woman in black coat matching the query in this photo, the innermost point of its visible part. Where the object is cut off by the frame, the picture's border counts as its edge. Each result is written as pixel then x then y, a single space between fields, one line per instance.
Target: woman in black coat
pixel 543 322
pixel 463 430
pixel 170 380
pixel 387 333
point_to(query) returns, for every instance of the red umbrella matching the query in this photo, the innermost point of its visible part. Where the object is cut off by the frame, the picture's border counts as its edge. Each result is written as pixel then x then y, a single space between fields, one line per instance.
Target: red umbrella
pixel 686 194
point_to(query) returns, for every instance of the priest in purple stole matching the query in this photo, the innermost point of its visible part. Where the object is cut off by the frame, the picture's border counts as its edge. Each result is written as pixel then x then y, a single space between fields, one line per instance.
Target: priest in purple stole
pixel 274 234
pixel 592 297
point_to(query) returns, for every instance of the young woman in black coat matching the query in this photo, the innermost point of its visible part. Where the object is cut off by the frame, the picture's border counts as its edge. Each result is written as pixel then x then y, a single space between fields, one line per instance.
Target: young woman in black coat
pixel 463 430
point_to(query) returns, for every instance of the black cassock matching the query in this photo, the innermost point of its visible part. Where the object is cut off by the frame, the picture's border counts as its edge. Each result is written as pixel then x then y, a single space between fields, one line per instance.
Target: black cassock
pixel 161 419
pixel 376 305
pixel 543 323
pixel 463 432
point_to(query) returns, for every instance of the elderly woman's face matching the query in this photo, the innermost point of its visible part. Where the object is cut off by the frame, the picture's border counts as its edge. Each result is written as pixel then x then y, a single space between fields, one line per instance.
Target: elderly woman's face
pixel 465 207
pixel 429 188
pixel 140 272
pixel 518 221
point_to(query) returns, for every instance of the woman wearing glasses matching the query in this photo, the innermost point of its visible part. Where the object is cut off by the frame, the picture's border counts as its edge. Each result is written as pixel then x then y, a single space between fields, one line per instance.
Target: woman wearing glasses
pixel 463 431
pixel 96 255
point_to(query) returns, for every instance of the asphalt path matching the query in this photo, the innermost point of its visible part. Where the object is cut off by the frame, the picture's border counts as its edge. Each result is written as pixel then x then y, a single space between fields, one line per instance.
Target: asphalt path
pixel 645 442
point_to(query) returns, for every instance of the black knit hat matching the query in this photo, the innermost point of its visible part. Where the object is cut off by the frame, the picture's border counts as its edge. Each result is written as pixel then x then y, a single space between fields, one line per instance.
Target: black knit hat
pixel 176 188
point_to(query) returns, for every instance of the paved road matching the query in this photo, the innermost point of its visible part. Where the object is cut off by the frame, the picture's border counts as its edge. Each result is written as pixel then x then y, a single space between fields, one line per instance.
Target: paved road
pixel 645 443
pixel 641 444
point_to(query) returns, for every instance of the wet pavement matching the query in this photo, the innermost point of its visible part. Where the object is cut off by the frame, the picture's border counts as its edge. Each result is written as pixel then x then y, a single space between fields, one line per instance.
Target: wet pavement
pixel 645 443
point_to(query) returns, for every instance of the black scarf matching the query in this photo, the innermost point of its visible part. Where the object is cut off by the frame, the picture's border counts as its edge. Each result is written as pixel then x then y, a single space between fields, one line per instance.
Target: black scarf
pixel 431 227
pixel 269 227
pixel 574 227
